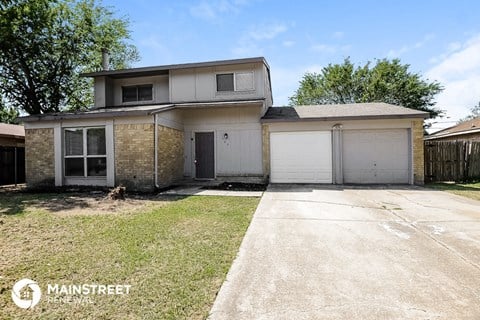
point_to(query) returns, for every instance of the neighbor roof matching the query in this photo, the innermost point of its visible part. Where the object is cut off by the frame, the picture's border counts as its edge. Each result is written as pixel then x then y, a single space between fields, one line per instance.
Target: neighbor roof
pixel 466 127
pixel 11 130
pixel 134 72
pixel 360 111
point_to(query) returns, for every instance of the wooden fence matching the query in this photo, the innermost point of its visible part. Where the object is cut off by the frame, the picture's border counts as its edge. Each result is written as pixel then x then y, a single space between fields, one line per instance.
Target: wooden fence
pixel 452 161
pixel 12 165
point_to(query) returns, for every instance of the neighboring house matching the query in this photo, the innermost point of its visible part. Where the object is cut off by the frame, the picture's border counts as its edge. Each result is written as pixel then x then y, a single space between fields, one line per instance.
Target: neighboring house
pixel 154 126
pixel 12 154
pixel 467 130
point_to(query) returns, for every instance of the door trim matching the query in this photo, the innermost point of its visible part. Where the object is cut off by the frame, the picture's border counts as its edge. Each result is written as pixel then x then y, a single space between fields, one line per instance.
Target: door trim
pixel 194 167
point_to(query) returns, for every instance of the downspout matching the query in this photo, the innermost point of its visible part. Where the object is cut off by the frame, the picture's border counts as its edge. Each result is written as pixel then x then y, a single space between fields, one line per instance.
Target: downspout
pixel 156 149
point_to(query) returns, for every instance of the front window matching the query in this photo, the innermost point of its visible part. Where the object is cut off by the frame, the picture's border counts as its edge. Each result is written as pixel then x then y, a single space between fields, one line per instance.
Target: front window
pixel 85 152
pixel 137 93
pixel 235 81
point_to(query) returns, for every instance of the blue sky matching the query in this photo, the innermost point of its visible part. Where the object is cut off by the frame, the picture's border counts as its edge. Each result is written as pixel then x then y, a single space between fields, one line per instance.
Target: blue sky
pixel 439 39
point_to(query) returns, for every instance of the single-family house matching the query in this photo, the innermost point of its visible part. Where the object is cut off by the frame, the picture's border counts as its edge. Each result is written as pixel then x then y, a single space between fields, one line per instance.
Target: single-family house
pixel 153 126
pixel 464 131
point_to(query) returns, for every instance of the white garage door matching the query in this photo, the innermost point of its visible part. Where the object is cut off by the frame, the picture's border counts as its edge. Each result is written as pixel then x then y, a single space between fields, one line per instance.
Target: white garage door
pixel 376 156
pixel 301 157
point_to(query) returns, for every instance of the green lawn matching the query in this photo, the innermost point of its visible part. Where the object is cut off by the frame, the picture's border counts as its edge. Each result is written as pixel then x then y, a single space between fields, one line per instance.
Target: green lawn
pixel 469 190
pixel 174 252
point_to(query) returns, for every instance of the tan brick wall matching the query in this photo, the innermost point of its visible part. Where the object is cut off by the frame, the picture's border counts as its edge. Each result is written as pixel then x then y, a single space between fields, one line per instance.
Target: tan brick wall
pixel 266 150
pixel 170 155
pixel 134 156
pixel 39 157
pixel 418 160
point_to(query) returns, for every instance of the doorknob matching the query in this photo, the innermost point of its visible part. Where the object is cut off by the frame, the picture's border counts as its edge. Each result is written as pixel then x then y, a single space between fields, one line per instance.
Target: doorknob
pixel 195 161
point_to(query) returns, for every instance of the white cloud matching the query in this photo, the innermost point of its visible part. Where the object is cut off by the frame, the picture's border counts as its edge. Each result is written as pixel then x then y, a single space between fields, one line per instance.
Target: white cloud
pixel 324 48
pixel 458 70
pixel 288 43
pixel 395 53
pixel 250 42
pixel 267 32
pixel 212 10
pixel 338 35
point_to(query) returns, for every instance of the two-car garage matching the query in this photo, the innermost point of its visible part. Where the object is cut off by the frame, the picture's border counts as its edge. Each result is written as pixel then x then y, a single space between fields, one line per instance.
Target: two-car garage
pixel 368 156
pixel 349 149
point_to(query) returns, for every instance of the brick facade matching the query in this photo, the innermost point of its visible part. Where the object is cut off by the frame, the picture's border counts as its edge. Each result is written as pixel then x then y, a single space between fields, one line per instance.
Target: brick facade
pixel 418 160
pixel 134 156
pixel 170 155
pixel 39 158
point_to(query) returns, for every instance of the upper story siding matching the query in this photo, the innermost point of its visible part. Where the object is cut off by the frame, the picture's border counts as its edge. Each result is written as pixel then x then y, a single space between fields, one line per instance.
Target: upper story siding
pixel 184 84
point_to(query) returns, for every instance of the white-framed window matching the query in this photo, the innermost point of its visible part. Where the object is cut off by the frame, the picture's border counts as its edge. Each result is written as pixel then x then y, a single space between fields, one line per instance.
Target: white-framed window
pixel 235 81
pixel 137 93
pixel 85 152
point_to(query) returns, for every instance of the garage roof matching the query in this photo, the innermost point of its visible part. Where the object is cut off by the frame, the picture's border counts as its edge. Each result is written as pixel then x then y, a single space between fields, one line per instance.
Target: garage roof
pixel 353 111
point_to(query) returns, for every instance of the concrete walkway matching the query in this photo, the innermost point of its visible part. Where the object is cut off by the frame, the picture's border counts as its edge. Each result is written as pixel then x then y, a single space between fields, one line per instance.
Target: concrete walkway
pixel 331 253
pixel 198 191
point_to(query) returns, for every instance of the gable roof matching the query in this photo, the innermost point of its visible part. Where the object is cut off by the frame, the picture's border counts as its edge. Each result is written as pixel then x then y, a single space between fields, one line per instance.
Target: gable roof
pixel 353 111
pixel 144 71
pixel 466 127
pixel 12 130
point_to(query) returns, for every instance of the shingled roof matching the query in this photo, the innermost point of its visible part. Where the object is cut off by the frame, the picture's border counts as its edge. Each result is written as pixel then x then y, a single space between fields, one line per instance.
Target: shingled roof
pixel 466 127
pixel 354 111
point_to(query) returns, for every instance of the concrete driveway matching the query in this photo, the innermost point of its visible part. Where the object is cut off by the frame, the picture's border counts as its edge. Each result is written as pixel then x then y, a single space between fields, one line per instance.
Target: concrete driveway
pixel 356 253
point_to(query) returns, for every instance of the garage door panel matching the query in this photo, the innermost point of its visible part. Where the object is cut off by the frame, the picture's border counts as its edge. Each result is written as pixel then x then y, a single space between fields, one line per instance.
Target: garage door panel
pixel 301 157
pixel 376 156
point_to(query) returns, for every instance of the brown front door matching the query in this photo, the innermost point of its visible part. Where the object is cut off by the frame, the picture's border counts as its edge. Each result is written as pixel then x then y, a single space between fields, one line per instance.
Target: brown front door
pixel 204 155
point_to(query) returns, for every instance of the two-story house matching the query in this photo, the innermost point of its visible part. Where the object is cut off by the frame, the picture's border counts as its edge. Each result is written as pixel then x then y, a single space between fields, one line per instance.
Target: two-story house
pixel 153 126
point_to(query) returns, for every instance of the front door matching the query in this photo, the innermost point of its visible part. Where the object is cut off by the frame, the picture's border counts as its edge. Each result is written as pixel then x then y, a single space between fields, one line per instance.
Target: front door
pixel 204 155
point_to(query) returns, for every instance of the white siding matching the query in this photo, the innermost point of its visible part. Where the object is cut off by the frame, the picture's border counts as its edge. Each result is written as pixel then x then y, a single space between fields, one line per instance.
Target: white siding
pixel 199 84
pixel 241 153
pixel 160 89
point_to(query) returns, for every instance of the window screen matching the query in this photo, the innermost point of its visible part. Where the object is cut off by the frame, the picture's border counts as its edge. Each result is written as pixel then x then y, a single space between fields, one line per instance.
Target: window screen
pixel 129 94
pixel 225 82
pixel 243 81
pixel 145 92
pixel 96 141
pixel 73 142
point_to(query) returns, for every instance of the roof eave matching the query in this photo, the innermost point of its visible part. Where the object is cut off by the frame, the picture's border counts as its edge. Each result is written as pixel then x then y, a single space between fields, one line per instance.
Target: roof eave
pixel 339 118
pixel 165 68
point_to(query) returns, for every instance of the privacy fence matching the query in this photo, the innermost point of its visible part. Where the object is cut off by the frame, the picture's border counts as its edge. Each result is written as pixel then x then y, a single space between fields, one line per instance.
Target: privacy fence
pixel 452 161
pixel 12 165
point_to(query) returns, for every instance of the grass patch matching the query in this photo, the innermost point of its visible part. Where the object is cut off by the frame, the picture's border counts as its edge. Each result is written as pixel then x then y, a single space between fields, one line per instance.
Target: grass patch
pixel 174 253
pixel 469 190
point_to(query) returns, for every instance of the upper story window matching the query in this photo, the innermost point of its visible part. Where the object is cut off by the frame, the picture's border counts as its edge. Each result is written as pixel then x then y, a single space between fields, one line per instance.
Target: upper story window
pixel 137 93
pixel 235 81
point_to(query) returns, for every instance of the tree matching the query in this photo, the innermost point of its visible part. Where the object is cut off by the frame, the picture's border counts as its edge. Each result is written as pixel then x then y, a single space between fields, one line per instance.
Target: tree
pixel 474 113
pixel 46 44
pixel 387 81
pixel 8 114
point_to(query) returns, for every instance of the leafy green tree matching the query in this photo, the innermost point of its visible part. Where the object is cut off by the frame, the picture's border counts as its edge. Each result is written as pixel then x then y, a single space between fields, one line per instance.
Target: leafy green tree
pixel 8 114
pixel 386 81
pixel 474 113
pixel 46 44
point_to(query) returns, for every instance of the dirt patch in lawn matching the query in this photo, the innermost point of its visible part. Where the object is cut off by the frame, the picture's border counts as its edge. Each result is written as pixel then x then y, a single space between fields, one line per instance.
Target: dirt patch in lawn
pixel 76 203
